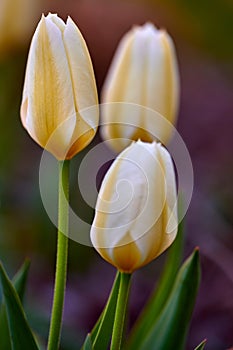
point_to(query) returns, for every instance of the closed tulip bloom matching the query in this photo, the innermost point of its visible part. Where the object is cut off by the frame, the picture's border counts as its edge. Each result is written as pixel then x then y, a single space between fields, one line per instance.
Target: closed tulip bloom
pixel 60 104
pixel 136 216
pixel 143 72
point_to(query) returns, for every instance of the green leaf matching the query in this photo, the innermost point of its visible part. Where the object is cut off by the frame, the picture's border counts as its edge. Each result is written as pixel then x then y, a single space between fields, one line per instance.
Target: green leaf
pixel 20 279
pixel 4 329
pixel 201 345
pixel 160 295
pixel 20 332
pixel 170 330
pixel 102 331
pixel 88 344
pixel 19 282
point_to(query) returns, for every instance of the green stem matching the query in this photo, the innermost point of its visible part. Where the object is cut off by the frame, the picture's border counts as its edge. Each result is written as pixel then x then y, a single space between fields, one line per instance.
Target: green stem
pixel 62 254
pixel 121 306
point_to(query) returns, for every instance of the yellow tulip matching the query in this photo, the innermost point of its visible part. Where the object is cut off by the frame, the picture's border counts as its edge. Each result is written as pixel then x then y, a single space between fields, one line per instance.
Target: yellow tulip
pixel 17 20
pixel 136 216
pixel 143 72
pixel 60 104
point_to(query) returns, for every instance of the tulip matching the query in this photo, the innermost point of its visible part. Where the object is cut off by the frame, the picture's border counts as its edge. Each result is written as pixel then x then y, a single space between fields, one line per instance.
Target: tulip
pixel 143 72
pixel 136 216
pixel 60 104
pixel 14 29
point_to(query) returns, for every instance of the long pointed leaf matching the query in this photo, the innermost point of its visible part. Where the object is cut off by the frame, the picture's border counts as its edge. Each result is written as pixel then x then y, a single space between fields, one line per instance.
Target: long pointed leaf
pixel 102 331
pixel 21 334
pixel 4 329
pixel 170 329
pixel 87 344
pixel 20 279
pixel 159 297
pixel 19 282
pixel 201 346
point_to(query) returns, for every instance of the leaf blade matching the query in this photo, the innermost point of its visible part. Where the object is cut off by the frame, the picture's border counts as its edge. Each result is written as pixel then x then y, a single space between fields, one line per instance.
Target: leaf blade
pixel 177 312
pixel 102 331
pixel 201 346
pixel 20 332
pixel 20 279
pixel 159 296
pixel 19 282
pixel 88 344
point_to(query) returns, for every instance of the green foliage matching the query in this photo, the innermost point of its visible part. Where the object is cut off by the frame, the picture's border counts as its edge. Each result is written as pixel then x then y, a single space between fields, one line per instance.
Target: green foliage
pixel 19 282
pixel 20 332
pixel 161 293
pixel 4 330
pixel 201 346
pixel 87 344
pixel 20 279
pixel 197 22
pixel 164 322
pixel 211 37
pixel 101 334
pixel 170 329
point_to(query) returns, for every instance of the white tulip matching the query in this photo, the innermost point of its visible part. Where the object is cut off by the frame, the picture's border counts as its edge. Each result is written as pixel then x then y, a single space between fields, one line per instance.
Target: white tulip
pixel 136 215
pixel 143 72
pixel 60 104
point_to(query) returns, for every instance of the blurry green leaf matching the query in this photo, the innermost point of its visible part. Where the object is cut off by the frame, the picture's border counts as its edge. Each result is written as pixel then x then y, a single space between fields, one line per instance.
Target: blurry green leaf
pixel 102 331
pixel 21 334
pixel 19 282
pixel 160 295
pixel 20 279
pixel 197 23
pixel 87 344
pixel 170 330
pixel 201 345
pixel 4 330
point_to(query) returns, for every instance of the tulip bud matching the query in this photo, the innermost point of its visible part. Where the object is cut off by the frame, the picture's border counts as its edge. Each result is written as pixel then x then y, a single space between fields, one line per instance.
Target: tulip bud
pixel 60 104
pixel 136 216
pixel 144 72
pixel 14 29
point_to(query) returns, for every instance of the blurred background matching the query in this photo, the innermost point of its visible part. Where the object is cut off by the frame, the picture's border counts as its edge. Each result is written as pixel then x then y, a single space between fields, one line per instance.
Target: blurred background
pixel 202 31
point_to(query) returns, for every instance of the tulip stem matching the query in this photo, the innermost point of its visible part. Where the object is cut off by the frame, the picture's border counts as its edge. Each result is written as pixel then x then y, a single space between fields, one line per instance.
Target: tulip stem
pixel 121 307
pixel 62 255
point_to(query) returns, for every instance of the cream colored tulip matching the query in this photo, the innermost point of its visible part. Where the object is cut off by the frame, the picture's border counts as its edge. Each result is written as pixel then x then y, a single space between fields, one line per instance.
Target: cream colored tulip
pixel 136 214
pixel 143 72
pixel 17 21
pixel 60 104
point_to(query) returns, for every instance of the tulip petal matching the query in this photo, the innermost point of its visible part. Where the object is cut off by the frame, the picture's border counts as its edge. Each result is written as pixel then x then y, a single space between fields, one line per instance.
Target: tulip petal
pixel 171 195
pixel 59 106
pixel 47 87
pixel 126 256
pixel 169 215
pixel 144 73
pixel 121 85
pixel 134 207
pixel 172 75
pixel 82 74
pixel 57 20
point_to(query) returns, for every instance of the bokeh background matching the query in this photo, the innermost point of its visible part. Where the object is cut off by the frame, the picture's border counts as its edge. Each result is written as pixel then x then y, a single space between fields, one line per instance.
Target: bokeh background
pixel 202 31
